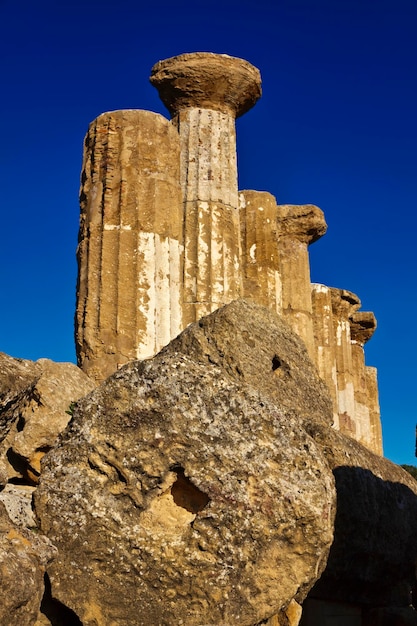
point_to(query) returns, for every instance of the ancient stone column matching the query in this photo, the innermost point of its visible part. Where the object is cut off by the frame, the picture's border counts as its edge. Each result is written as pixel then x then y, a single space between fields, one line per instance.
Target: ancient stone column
pixel 362 327
pixel 324 342
pixel 261 280
pixel 298 226
pixel 204 93
pixel 374 410
pixel 130 255
pixel 344 305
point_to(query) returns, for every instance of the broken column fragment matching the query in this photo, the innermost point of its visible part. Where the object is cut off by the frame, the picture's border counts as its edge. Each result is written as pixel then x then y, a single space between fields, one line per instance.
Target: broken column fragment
pixel 344 305
pixel 362 327
pixel 130 253
pixel 261 280
pixel 298 226
pixel 204 93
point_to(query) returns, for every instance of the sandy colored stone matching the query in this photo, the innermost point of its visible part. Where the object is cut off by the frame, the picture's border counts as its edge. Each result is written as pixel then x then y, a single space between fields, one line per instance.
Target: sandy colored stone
pixel 204 93
pixel 344 305
pixel 23 558
pixel 182 494
pixel 207 81
pixel 130 253
pixel 325 342
pixel 261 278
pixel 298 227
pixel 38 414
pixel 281 370
pixel 15 376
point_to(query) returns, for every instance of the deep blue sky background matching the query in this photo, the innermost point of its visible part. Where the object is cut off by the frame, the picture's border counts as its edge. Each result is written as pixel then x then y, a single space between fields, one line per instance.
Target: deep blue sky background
pixel 336 127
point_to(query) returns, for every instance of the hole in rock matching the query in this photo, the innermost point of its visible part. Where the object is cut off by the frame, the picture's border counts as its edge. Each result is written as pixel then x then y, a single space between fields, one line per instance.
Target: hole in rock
pixel 57 613
pixel 187 495
pixel 276 363
pixel 20 424
pixel 279 366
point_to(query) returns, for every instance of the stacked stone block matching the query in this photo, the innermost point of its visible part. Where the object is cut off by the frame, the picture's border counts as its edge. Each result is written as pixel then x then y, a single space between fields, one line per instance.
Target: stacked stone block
pixel 165 238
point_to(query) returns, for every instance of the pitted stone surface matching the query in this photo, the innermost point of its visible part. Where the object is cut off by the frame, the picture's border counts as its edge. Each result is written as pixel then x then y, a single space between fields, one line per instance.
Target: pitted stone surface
pixel 180 494
pixel 23 558
pixel 37 414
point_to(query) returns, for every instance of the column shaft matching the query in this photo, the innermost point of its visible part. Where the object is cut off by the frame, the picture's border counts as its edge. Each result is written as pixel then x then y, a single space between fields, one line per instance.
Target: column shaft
pixel 324 341
pixel 344 304
pixel 261 279
pixel 211 219
pixel 374 410
pixel 298 226
pixel 129 296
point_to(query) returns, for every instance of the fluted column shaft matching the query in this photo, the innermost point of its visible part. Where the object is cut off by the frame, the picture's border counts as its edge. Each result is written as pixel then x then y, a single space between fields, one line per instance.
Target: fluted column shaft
pixel 130 255
pixel 362 327
pixel 211 218
pixel 374 410
pixel 205 93
pixel 261 279
pixel 344 304
pixel 324 341
pixel 298 226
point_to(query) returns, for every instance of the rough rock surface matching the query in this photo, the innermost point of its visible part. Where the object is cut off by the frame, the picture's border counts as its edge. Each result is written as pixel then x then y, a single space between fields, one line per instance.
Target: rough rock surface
pixel 256 347
pixel 15 376
pixel 181 494
pixel 207 80
pixel 36 411
pixel 23 557
pixel 373 557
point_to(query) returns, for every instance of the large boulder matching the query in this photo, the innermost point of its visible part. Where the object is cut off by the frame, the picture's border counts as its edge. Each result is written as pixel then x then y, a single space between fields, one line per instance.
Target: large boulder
pixel 183 494
pixel 255 347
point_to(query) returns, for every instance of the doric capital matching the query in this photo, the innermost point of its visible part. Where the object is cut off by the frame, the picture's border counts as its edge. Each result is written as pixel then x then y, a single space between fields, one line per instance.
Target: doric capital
pixel 344 303
pixel 207 81
pixel 362 326
pixel 304 222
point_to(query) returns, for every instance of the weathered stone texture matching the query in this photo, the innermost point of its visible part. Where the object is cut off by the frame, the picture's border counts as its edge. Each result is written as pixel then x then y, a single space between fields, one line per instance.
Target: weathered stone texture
pixel 207 81
pixel 23 559
pixel 130 255
pixel 204 93
pixel 298 226
pixel 282 369
pixel 182 494
pixel 362 327
pixel 38 413
pixel 260 269
pixel 344 305
pixel 325 342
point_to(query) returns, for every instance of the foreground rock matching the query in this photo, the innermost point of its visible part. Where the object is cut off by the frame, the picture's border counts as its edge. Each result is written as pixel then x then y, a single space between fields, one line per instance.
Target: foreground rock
pixel 35 406
pixel 23 557
pixel 181 494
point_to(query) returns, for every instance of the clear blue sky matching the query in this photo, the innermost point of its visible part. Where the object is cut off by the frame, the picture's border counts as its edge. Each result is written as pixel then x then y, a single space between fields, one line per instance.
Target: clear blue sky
pixel 336 127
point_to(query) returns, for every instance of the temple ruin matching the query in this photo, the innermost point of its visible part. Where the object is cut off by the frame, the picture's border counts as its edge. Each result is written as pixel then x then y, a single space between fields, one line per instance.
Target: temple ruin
pixel 166 238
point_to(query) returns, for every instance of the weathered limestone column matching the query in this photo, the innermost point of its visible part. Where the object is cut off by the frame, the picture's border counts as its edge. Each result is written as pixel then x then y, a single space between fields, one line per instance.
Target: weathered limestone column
pixel 204 93
pixel 362 327
pixel 130 255
pixel 324 341
pixel 261 280
pixel 374 410
pixel 298 226
pixel 344 305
